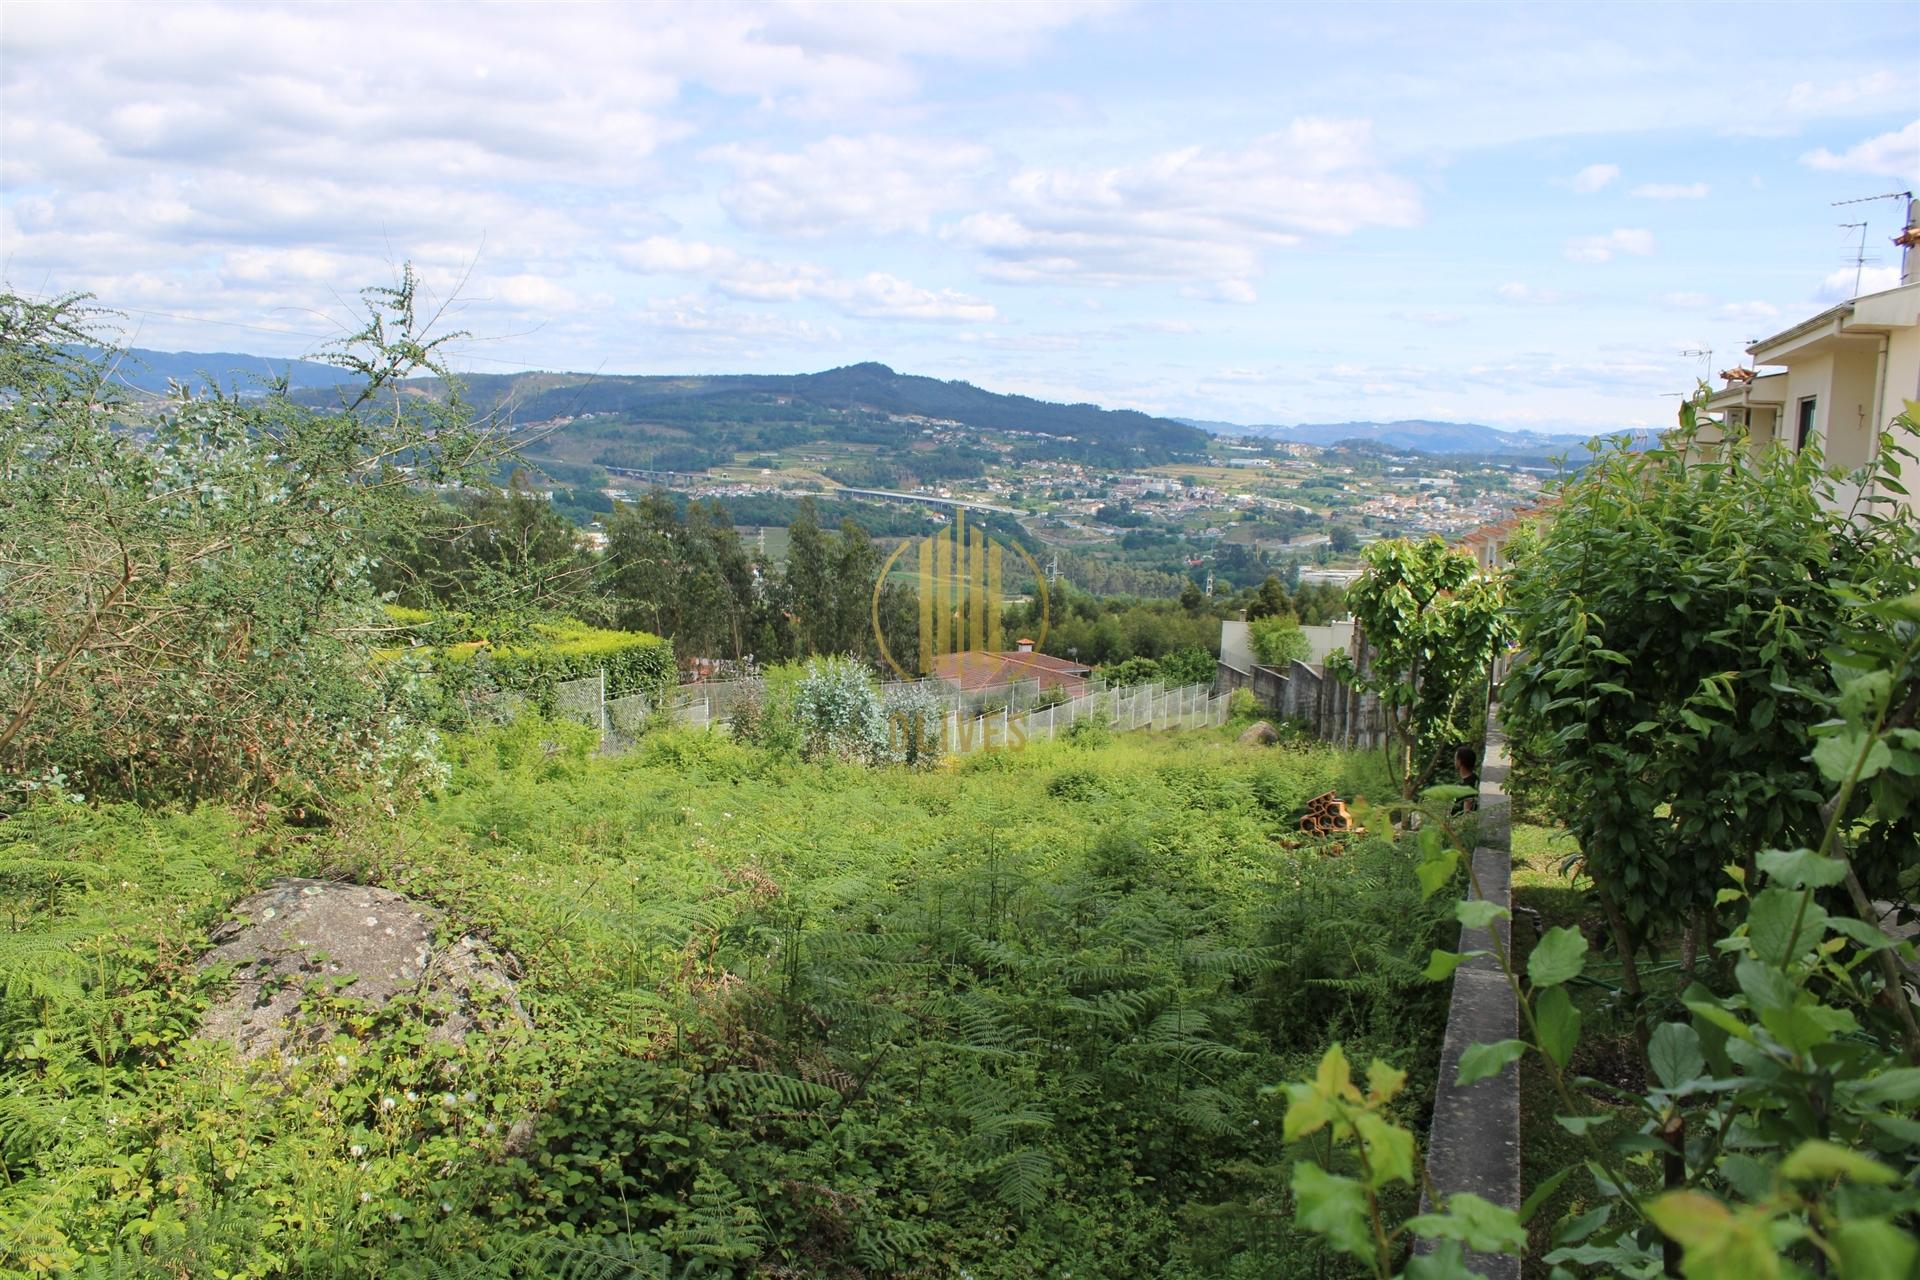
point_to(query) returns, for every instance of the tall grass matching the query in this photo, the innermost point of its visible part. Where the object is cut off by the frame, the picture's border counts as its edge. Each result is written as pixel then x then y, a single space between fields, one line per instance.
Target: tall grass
pixel 1010 1017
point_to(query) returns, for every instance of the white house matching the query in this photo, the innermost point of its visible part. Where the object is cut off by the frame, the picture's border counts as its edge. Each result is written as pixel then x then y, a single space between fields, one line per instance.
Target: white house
pixel 1837 379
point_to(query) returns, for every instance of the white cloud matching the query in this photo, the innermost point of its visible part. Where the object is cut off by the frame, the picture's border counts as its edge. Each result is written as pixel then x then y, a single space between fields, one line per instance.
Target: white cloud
pixel 1748 312
pixel 1238 292
pixel 1204 216
pixel 1670 191
pixel 1839 284
pixel 1594 177
pixel 1626 240
pixel 233 161
pixel 875 295
pixel 1518 291
pixel 1685 301
pixel 876 183
pixel 1854 93
pixel 1894 155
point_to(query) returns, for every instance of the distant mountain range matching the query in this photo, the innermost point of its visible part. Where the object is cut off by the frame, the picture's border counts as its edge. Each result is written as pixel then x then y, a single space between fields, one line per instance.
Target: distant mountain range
pixel 1413 433
pixel 840 400
pixel 672 421
pixel 868 388
pixel 151 371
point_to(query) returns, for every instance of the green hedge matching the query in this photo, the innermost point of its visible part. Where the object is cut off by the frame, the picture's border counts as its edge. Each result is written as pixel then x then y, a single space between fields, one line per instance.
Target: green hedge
pixel 552 652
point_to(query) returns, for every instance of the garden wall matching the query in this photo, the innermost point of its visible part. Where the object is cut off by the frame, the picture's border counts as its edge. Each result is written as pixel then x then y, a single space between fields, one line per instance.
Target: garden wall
pixel 1474 1144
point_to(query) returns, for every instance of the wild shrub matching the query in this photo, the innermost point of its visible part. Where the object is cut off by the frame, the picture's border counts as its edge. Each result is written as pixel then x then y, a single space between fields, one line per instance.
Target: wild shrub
pixel 840 712
pixel 844 1021
pixel 1277 640
pixel 916 725
pixel 1676 620
pixel 186 610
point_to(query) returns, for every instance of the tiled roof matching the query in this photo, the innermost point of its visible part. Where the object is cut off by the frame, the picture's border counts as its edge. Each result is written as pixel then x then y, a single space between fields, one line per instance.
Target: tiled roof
pixel 984 670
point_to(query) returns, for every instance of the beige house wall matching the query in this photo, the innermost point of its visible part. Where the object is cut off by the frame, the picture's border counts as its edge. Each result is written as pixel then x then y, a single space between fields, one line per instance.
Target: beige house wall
pixel 1846 420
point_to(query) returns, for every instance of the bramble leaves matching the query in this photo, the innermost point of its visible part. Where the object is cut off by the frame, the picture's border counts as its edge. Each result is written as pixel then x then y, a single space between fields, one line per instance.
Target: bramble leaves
pixel 1674 1053
pixel 1780 919
pixel 1333 1206
pixel 1801 868
pixel 1875 1249
pixel 1560 954
pixel 1482 1060
pixel 1478 1224
pixel 1816 1160
pixel 1719 1244
pixel 1436 870
pixel 1559 1024
pixel 1478 913
pixel 1441 964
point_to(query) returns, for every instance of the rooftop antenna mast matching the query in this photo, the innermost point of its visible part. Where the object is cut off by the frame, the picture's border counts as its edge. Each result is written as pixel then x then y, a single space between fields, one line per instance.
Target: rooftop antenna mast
pixel 1860 258
pixel 1860 254
pixel 1705 355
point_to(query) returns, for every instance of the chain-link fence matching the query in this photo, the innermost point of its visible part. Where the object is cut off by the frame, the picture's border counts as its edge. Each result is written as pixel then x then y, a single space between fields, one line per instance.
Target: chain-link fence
pixel 973 721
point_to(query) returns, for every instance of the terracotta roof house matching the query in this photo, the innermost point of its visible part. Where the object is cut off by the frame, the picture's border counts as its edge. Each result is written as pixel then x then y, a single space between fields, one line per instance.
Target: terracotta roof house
pixel 991 669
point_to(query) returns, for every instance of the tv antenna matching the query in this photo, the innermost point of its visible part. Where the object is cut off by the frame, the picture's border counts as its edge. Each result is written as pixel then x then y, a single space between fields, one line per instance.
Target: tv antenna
pixel 1860 258
pixel 1860 254
pixel 1705 356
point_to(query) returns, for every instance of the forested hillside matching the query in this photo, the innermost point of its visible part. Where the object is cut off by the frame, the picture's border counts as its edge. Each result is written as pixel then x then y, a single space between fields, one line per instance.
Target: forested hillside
pixel 689 423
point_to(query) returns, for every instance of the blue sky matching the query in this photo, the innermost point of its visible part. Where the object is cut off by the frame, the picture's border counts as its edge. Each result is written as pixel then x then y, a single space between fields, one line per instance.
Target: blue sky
pixel 1260 213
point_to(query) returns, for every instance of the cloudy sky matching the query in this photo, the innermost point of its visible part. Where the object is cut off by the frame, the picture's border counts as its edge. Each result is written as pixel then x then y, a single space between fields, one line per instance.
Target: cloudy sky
pixel 1259 213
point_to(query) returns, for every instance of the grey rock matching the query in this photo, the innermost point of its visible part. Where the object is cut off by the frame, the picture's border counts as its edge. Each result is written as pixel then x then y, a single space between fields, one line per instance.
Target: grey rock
pixel 361 942
pixel 1258 734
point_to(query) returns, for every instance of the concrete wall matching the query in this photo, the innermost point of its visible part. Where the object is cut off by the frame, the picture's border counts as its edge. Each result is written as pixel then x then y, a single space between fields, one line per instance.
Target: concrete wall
pixel 1847 418
pixel 1474 1144
pixel 1236 645
pixel 1334 637
pixel 1903 384
pixel 1334 712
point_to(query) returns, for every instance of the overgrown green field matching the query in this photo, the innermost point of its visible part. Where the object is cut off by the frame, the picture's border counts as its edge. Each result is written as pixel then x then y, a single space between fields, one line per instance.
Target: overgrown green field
pixel 1008 1018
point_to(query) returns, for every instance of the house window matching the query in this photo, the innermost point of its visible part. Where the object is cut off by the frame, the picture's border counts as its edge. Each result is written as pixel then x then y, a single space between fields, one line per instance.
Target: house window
pixel 1805 430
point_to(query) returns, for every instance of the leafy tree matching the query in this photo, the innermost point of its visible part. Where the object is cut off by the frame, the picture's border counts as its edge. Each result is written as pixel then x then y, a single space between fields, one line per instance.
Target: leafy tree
pixel 1270 599
pixel 488 554
pixel 1783 1107
pixel 1430 628
pixel 1188 666
pixel 1676 618
pixel 688 578
pixel 186 608
pixel 840 712
pixel 1132 671
pixel 1277 640
pixel 810 585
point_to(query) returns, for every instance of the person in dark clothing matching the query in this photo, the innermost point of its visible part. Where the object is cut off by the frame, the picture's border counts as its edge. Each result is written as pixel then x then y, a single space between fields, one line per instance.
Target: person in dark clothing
pixel 1466 763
